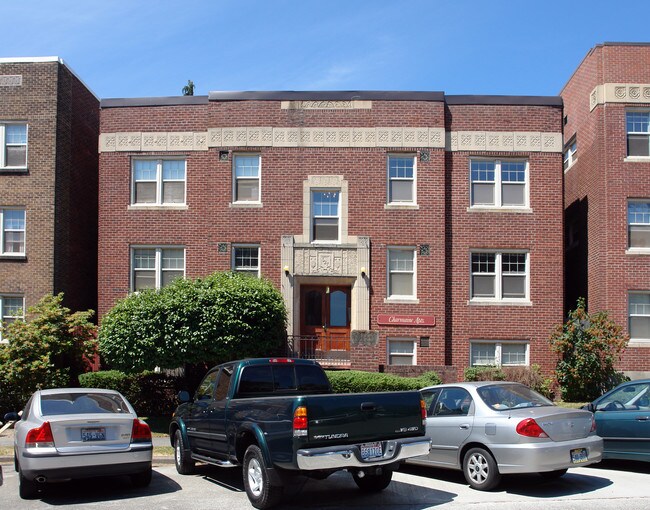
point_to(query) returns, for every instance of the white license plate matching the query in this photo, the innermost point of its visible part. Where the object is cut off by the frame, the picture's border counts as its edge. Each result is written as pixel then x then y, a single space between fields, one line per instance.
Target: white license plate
pixel 95 434
pixel 579 455
pixel 371 450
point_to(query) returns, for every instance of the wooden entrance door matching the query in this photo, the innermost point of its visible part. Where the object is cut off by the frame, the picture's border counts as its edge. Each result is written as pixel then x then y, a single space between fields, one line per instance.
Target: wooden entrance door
pixel 325 316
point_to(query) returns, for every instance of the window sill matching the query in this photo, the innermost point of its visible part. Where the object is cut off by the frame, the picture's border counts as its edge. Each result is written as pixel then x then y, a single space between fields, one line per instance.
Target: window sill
pixel 157 207
pixel 494 209
pixel 637 159
pixel 494 302
pixel 401 207
pixel 402 300
pixel 245 205
pixel 639 342
pixel 10 256
pixel 638 251
pixel 14 170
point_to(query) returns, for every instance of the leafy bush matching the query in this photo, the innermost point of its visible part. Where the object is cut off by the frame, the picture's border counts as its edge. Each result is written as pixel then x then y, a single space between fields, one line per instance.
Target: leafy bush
pixel 530 376
pixel 47 350
pixel 484 373
pixel 221 317
pixel 353 381
pixel 588 348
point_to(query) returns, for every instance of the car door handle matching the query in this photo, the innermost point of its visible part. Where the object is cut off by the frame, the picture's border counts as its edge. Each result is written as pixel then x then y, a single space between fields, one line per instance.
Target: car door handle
pixel 642 418
pixel 368 406
pixel 464 426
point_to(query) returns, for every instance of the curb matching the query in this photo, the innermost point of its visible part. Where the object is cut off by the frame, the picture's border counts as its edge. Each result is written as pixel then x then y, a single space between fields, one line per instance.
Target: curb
pixel 157 460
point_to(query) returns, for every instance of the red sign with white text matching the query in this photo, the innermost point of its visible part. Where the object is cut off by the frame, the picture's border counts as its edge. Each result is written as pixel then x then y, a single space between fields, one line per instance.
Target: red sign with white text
pixel 406 320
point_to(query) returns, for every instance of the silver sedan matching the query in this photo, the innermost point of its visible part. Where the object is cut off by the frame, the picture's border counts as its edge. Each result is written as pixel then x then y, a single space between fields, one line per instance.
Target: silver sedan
pixel 74 433
pixel 487 429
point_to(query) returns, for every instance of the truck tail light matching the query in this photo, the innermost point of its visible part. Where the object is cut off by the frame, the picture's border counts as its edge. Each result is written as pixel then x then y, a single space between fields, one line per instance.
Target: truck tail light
pixel 40 437
pixel 140 433
pixel 530 428
pixel 300 422
pixel 423 412
pixel 280 360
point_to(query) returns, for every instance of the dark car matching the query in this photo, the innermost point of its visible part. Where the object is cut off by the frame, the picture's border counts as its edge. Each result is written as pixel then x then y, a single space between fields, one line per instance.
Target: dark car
pixel 623 421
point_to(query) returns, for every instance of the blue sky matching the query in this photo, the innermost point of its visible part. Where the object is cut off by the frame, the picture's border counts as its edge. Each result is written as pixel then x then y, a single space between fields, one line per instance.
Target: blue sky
pixel 136 48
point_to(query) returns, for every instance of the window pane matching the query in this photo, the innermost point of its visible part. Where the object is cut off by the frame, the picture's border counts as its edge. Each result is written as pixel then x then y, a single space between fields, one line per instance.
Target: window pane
pixel 640 304
pixel 246 258
pixel 325 203
pixel 514 286
pixel 513 194
pixel 400 167
pixel 400 260
pixel 483 262
pixel 513 354
pixel 401 191
pixel 169 276
pixel 638 122
pixel 483 354
pixel 14 219
pixel 12 307
pixel 482 194
pixel 248 190
pixel 247 166
pixel 16 155
pixel 144 258
pixel 173 258
pixel 401 284
pixel 638 145
pixel 173 192
pixel 482 171
pixel 482 286
pixel 14 242
pixel 513 171
pixel 339 308
pixel 173 170
pixel 145 193
pixel 16 133
pixel 145 170
pixel 326 229
pixel 640 237
pixel 640 327
pixel 144 280
pixel 400 360
pixel 513 262
pixel 400 346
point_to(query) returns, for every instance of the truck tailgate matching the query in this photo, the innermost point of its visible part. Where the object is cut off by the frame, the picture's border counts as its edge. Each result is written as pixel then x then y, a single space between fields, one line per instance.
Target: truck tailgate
pixel 361 417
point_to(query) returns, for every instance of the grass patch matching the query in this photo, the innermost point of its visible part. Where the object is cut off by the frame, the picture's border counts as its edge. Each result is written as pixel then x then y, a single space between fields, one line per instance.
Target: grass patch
pixel 6 451
pixel 572 405
pixel 163 451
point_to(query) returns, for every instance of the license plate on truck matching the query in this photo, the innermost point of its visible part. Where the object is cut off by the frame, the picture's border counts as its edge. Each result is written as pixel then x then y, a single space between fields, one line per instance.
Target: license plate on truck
pixel 371 450
pixel 94 434
pixel 579 455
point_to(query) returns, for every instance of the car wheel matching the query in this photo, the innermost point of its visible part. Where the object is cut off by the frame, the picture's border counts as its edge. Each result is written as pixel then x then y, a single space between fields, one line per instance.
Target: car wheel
pixel 480 469
pixel 373 483
pixel 554 475
pixel 184 463
pixel 142 479
pixel 259 490
pixel 27 489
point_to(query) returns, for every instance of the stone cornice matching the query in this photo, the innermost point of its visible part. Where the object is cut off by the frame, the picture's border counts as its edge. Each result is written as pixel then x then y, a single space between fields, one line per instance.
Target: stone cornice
pixel 389 137
pixel 633 93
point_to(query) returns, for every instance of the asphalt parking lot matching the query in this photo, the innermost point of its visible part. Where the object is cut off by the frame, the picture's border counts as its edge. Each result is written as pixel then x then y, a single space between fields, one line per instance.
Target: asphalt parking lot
pixel 618 486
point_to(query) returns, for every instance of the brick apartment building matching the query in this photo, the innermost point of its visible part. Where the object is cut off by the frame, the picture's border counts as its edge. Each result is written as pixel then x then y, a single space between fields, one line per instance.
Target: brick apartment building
pixel 49 124
pixel 403 228
pixel 607 190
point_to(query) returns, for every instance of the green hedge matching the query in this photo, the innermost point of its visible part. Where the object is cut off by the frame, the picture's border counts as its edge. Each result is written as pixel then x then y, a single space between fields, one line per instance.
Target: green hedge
pixel 352 381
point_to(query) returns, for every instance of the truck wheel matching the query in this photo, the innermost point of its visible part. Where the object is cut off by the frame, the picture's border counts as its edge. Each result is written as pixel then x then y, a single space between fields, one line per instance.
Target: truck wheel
pixel 184 463
pixel 373 483
pixel 27 489
pixel 259 490
pixel 480 470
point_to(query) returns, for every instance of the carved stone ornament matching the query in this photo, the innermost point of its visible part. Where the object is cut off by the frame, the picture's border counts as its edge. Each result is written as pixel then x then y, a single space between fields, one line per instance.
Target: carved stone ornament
pixel 11 80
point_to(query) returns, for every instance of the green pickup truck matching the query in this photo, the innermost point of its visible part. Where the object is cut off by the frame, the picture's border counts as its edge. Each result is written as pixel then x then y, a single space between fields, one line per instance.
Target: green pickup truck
pixel 278 417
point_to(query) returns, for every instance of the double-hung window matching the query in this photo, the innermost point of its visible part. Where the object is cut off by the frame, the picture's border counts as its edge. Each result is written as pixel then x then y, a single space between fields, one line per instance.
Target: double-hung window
pixel 325 214
pixel 246 182
pixel 570 153
pixel 155 267
pixel 639 311
pixel 638 133
pixel 13 142
pixel 499 183
pixel 158 182
pixel 497 276
pixel 496 353
pixel 638 224
pixel 401 179
pixel 246 259
pixel 12 235
pixel 11 309
pixel 401 273
pixel 401 351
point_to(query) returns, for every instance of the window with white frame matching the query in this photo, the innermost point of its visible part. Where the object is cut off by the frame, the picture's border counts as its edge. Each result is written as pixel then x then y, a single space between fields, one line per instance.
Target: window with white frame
pixel 639 310
pixel 246 180
pixel 401 351
pixel 638 224
pixel 158 182
pixel 401 273
pixel 13 142
pixel 570 153
pixel 497 353
pixel 401 179
pixel 11 309
pixel 499 276
pixel 155 267
pixel 325 214
pixel 638 133
pixel 499 183
pixel 246 259
pixel 12 235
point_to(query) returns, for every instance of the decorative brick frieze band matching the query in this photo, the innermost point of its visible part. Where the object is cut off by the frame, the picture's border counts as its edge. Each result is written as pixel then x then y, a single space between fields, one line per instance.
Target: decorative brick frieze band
pixel 333 137
pixel 11 80
pixel 633 93
pixel 326 105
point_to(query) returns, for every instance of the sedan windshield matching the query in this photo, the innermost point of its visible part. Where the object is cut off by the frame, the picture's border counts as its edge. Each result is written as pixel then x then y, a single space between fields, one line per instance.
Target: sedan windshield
pixel 503 397
pixel 82 403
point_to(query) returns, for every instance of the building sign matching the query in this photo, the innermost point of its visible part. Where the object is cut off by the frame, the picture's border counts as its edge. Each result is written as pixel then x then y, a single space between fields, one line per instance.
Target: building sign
pixel 406 320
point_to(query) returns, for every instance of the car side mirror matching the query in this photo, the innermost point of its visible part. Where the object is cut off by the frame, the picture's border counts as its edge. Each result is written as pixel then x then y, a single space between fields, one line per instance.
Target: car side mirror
pixel 183 397
pixel 589 407
pixel 12 417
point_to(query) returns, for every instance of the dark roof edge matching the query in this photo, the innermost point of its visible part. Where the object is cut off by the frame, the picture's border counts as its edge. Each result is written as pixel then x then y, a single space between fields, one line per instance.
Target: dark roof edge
pixel 326 95
pixel 153 101
pixel 610 43
pixel 504 100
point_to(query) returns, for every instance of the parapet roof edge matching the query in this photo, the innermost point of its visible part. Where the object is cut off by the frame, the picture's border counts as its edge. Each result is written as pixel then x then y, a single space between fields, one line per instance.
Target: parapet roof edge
pixel 152 101
pixel 504 100
pixel 325 95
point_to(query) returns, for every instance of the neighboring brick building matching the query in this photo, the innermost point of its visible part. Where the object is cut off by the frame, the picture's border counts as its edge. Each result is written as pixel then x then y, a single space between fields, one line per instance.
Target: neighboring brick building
pixel 607 184
pixel 403 228
pixel 49 124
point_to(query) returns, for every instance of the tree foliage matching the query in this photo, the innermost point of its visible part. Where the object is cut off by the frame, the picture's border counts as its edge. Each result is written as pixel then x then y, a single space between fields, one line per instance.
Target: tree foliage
pixel 214 319
pixel 49 349
pixel 588 346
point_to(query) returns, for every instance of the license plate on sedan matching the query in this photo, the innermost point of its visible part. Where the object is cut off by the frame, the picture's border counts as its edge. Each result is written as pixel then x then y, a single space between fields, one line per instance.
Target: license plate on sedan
pixel 371 450
pixel 94 434
pixel 579 455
